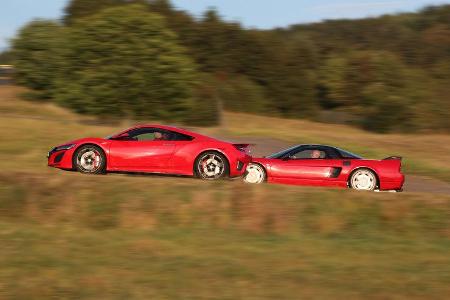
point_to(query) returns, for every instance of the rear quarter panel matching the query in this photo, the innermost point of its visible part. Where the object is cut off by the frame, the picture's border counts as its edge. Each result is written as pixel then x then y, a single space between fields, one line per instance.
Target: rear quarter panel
pixel 185 155
pixel 388 172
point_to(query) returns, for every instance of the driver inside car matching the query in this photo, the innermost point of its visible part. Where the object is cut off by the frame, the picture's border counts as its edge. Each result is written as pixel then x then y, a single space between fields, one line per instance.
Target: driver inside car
pixel 158 136
pixel 315 154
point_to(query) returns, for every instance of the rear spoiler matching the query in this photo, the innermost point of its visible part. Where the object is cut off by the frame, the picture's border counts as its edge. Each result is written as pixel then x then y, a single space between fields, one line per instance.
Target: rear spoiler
pixel 393 157
pixel 243 147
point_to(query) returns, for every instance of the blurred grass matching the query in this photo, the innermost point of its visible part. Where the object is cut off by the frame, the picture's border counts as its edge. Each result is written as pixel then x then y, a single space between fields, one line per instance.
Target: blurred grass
pixel 135 237
pixel 71 236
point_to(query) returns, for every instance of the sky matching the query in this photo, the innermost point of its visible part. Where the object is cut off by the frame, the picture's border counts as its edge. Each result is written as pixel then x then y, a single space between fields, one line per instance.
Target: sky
pixel 262 14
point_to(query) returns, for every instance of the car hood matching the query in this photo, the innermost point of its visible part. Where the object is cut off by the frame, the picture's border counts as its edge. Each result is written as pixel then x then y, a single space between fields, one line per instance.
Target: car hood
pixel 85 140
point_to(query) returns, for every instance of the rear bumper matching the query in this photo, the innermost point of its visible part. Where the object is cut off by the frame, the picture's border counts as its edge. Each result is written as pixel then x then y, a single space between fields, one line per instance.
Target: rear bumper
pixel 393 183
pixel 239 166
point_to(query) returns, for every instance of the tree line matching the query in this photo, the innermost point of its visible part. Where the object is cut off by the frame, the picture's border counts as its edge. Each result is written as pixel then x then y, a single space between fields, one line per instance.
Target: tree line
pixel 146 59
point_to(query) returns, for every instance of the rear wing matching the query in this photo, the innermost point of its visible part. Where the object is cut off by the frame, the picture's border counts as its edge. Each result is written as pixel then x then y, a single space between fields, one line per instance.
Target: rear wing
pixel 243 147
pixel 393 158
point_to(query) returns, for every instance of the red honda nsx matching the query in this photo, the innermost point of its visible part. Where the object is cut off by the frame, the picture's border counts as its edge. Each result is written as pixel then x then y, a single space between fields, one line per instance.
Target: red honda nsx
pixel 153 149
pixel 321 165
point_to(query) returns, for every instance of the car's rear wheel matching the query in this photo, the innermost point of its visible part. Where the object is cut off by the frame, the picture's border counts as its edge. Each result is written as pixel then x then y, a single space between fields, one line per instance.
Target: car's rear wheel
pixel 363 180
pixel 211 165
pixel 255 174
pixel 90 159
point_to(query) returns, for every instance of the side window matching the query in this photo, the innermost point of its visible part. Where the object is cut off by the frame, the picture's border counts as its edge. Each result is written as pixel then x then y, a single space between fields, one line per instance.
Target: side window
pixel 331 153
pixel 156 134
pixel 176 136
pixel 146 134
pixel 309 153
pixel 149 136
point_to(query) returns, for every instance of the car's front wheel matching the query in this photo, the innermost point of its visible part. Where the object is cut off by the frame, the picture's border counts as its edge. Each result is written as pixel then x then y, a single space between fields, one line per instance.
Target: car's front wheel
pixel 363 180
pixel 255 174
pixel 211 165
pixel 90 159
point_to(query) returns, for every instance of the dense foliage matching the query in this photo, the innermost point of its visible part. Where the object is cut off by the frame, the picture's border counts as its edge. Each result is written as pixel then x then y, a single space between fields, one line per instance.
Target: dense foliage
pixel 123 61
pixel 5 57
pixel 37 55
pixel 384 74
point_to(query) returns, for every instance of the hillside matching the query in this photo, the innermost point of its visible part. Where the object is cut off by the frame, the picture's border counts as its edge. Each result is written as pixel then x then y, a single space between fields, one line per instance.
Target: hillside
pixel 386 74
pixel 73 236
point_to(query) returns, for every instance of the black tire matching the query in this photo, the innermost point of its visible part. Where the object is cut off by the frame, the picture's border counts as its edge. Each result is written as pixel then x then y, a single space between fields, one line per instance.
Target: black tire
pixel 206 164
pixel 89 159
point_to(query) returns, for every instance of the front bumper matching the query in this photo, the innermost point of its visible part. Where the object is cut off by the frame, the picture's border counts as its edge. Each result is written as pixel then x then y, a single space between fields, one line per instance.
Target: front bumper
pixel 60 158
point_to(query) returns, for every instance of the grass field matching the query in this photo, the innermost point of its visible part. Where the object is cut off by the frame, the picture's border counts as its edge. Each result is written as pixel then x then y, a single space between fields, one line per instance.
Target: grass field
pixel 69 236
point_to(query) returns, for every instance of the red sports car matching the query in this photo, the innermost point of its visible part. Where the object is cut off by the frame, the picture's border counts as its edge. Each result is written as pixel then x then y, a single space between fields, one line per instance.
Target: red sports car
pixel 153 149
pixel 326 166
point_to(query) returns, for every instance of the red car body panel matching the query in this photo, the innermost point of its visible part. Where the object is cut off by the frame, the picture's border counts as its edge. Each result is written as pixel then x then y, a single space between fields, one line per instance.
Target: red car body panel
pixel 319 172
pixel 167 157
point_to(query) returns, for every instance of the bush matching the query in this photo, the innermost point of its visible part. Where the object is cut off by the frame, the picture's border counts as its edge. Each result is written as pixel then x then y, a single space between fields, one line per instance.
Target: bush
pixel 123 61
pixel 37 55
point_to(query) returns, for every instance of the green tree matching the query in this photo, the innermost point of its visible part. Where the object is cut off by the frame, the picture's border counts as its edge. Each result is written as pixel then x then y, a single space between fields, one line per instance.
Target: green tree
pixel 124 61
pixel 82 8
pixel 332 82
pixel 6 57
pixel 36 55
pixel 240 94
pixel 385 111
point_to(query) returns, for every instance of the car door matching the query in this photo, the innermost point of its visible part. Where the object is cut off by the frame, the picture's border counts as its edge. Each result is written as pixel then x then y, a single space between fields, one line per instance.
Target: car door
pixel 308 165
pixel 141 149
pixel 181 160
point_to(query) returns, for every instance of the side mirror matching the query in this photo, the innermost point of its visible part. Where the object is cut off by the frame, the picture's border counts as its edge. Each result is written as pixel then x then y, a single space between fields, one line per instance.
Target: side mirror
pixel 286 158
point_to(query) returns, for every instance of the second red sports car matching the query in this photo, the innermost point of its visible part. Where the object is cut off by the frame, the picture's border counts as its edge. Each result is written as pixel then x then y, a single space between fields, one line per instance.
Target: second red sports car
pixel 326 166
pixel 153 149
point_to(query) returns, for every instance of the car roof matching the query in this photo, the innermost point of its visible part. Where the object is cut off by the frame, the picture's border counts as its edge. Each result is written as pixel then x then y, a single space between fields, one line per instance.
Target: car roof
pixel 326 146
pixel 315 145
pixel 172 128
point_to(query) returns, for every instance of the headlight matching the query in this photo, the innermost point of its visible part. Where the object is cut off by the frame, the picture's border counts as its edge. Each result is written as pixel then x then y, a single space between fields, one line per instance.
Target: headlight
pixel 64 147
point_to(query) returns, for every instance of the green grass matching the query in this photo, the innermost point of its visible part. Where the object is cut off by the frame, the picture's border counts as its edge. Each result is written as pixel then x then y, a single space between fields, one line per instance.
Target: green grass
pixel 135 237
pixel 176 263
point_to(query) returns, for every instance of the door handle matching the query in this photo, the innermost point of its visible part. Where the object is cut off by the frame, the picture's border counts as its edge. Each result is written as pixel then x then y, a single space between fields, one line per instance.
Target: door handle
pixel 168 144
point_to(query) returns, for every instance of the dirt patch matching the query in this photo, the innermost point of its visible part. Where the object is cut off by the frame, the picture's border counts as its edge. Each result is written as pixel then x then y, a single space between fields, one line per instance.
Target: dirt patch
pixel 422 184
